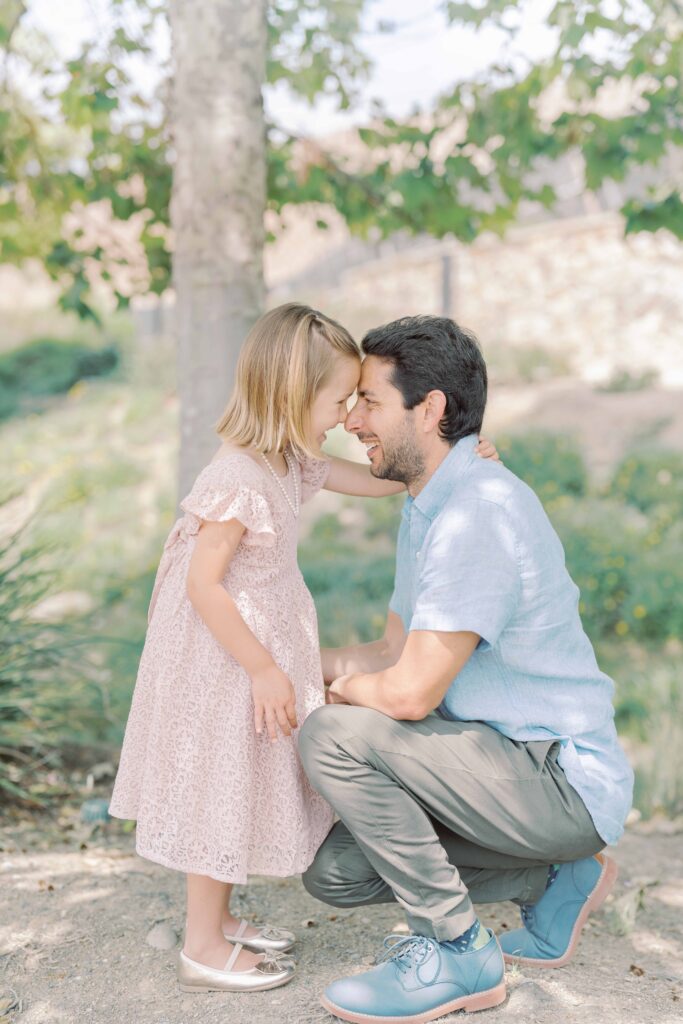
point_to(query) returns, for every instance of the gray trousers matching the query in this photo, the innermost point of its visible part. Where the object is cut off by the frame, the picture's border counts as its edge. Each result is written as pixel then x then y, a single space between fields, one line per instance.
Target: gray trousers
pixel 437 815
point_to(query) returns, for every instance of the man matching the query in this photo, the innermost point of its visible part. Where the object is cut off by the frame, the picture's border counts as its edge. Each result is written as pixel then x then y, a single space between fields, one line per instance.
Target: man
pixel 470 753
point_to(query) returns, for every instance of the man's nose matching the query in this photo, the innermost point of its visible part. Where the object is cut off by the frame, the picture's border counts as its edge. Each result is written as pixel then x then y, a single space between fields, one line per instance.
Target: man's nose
pixel 353 421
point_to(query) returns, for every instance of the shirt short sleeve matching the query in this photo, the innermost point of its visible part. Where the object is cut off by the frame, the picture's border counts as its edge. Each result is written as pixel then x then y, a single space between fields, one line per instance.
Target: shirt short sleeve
pixel 314 473
pixel 232 488
pixel 469 578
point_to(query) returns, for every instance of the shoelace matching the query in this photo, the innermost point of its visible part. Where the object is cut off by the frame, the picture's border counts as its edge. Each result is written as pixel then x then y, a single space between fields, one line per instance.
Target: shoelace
pixel 407 950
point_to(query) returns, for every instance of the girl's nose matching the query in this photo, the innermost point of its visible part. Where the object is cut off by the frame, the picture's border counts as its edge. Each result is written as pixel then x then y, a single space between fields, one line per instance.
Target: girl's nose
pixel 352 420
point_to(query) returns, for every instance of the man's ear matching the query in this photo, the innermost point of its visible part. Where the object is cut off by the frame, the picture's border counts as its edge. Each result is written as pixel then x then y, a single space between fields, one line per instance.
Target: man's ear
pixel 434 408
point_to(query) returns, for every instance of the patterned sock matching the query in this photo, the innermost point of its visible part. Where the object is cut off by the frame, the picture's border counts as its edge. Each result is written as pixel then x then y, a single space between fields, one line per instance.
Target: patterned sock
pixel 474 938
pixel 552 874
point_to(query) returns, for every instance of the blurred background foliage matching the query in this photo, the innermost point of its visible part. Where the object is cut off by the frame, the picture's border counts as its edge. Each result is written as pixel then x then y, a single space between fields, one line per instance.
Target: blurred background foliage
pixel 89 417
pixel 107 499
pixel 85 133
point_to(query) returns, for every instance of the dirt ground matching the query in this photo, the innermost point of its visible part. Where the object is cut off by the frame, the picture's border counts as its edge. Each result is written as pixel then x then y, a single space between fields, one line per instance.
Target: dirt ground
pixel 77 907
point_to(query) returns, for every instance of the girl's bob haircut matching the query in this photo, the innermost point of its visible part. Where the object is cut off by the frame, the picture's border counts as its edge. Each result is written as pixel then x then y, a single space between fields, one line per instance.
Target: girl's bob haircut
pixel 287 357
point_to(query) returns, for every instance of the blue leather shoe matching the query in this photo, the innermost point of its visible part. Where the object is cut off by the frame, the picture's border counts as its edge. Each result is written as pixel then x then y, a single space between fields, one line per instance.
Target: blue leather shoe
pixel 418 979
pixel 553 925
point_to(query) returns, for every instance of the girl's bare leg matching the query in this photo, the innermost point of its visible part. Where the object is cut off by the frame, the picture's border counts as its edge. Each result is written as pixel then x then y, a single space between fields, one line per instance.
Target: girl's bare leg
pixel 232 923
pixel 204 939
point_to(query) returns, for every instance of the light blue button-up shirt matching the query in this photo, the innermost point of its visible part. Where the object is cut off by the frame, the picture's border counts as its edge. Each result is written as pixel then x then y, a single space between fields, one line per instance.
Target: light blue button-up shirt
pixel 477 552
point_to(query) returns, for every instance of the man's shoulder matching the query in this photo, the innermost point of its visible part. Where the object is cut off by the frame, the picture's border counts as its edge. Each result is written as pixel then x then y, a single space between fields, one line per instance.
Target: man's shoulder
pixel 489 484
pixel 489 505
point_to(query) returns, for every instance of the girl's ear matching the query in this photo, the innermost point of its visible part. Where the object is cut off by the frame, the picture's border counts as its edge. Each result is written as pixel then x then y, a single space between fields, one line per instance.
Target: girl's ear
pixel 434 408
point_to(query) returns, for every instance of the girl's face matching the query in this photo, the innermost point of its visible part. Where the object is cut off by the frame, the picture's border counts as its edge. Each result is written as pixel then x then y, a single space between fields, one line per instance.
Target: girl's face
pixel 329 405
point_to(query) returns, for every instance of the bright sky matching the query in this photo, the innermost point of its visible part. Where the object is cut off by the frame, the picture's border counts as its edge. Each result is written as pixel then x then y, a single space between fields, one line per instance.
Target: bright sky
pixel 411 66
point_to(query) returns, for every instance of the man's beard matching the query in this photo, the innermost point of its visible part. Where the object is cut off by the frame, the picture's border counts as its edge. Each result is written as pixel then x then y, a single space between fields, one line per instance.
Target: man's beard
pixel 402 461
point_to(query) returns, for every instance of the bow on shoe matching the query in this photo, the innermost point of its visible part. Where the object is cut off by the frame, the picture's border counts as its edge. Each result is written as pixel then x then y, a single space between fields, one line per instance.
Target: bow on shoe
pixel 269 932
pixel 273 963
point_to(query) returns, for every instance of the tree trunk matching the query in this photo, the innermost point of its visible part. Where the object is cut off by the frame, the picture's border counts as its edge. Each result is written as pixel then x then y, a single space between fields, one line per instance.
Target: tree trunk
pixel 217 207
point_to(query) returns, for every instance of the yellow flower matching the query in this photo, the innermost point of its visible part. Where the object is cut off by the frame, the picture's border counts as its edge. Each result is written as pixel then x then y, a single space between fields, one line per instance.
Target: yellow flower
pixel 640 611
pixel 621 628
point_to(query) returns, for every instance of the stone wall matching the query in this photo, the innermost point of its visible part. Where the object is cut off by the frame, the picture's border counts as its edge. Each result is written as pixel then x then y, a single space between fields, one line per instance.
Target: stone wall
pixel 604 301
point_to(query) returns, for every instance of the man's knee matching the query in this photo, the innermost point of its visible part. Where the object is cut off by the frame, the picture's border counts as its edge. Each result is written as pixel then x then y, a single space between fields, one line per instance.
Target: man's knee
pixel 315 736
pixel 327 727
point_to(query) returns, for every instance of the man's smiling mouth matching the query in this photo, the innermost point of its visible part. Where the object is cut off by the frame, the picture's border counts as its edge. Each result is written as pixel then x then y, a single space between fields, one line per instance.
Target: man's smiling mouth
pixel 370 446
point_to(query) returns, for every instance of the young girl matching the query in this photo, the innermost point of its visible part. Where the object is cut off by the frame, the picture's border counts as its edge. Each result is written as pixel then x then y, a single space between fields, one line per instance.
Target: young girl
pixel 231 662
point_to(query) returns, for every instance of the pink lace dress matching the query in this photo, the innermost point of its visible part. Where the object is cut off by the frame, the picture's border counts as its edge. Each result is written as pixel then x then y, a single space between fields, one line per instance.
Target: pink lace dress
pixel 209 795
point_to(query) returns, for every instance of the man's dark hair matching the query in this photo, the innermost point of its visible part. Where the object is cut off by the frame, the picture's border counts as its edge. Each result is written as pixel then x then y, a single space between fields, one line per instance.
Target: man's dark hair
pixel 432 353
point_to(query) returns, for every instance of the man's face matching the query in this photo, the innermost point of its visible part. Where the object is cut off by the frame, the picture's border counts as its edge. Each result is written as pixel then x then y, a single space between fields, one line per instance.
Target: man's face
pixel 379 420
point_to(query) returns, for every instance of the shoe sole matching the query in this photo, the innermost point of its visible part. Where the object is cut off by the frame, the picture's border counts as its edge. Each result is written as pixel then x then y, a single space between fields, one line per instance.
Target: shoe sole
pixel 599 894
pixel 226 988
pixel 479 1001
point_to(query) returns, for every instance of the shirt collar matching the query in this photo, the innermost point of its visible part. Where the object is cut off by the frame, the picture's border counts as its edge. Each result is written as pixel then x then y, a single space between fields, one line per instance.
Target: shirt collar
pixel 433 495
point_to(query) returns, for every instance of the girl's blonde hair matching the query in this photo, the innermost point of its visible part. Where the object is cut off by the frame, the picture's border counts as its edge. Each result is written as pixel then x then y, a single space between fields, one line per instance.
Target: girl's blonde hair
pixel 286 359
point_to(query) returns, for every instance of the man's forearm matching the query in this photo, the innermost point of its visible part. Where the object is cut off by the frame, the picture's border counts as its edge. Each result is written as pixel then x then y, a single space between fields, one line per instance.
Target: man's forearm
pixel 372 657
pixel 379 691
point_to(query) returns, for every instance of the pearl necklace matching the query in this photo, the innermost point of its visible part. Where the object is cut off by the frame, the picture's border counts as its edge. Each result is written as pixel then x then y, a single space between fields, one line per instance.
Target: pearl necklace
pixel 296 504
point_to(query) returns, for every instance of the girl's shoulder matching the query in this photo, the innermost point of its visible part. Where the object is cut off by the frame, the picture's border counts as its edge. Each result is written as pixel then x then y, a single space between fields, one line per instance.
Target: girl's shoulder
pixel 232 486
pixel 314 474
pixel 233 466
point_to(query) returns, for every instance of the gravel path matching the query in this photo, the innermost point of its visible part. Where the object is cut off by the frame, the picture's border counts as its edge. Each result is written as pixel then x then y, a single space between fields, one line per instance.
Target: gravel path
pixel 76 910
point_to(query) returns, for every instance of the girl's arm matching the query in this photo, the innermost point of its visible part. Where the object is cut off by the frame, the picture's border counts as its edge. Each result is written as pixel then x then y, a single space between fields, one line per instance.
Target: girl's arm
pixel 274 701
pixel 371 657
pixel 214 549
pixel 346 477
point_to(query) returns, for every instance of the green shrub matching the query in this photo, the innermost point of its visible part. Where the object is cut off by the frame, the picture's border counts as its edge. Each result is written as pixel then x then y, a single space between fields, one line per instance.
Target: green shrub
pixel 351 590
pixel 649 717
pixel 653 607
pixel 628 570
pixel 651 479
pixel 623 379
pixel 48 366
pixel 601 543
pixel 551 464
pixel 44 676
pixel 383 517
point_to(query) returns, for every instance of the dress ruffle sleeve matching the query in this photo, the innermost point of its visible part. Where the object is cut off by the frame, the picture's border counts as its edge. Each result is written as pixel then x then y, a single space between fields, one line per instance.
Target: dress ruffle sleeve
pixel 231 488
pixel 314 473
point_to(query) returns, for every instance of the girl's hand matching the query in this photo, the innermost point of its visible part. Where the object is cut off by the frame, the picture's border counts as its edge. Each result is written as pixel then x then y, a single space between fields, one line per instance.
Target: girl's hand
pixel 274 702
pixel 487 450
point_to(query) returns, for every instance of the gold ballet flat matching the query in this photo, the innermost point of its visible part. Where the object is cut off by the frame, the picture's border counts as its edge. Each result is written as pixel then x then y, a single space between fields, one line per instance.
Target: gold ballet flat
pixel 268 940
pixel 271 972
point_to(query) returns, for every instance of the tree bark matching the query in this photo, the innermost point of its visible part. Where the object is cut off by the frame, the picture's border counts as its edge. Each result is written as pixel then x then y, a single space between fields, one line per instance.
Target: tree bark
pixel 217 206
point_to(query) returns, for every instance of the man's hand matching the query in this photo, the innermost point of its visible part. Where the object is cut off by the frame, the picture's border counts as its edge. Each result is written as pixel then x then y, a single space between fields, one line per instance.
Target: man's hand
pixel 334 693
pixel 416 684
